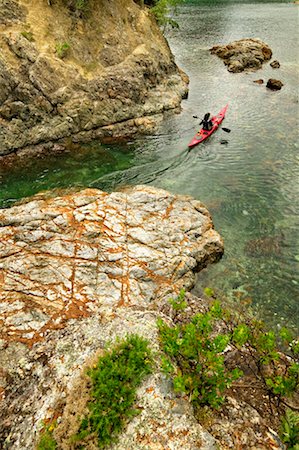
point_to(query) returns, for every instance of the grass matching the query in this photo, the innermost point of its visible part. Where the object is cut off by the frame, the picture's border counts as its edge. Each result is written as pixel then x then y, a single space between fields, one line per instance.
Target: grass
pixel 47 441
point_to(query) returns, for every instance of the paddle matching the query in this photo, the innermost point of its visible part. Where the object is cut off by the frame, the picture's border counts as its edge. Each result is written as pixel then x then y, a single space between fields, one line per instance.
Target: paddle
pixel 227 130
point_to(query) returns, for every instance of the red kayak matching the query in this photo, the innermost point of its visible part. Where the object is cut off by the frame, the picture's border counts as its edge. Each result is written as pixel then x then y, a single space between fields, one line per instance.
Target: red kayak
pixel 202 135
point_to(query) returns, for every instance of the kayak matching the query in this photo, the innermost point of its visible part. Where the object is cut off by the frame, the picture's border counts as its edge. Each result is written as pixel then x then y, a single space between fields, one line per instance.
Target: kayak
pixel 202 134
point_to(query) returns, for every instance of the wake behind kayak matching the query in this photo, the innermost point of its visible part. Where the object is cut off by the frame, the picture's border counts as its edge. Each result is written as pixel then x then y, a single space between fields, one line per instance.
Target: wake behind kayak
pixel 202 134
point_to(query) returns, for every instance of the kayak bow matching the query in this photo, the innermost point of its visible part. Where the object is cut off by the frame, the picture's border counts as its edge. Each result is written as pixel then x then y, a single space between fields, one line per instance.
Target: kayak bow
pixel 202 134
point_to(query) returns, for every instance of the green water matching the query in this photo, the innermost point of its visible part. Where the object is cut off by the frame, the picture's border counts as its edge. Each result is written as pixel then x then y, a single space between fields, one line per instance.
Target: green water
pixel 250 184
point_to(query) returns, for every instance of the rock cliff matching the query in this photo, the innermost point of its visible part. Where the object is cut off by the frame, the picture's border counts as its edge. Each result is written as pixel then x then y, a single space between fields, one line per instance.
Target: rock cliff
pixel 107 74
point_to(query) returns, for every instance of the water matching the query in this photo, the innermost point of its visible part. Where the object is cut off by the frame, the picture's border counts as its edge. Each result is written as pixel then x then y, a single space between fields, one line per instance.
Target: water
pixel 250 185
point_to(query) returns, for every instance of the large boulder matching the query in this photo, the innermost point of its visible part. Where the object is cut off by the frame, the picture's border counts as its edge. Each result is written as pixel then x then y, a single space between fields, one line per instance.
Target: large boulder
pixel 244 54
pixel 75 272
pixel 117 68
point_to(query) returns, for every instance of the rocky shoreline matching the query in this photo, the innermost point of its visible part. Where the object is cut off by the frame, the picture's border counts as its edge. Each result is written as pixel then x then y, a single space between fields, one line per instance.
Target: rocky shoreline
pixel 101 87
pixel 80 270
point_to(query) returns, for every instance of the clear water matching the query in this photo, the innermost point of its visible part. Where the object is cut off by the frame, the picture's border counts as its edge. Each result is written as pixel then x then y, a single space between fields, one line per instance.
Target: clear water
pixel 250 184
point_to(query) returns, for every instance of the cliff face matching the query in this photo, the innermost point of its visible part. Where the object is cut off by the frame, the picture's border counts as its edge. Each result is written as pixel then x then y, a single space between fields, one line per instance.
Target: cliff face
pixel 104 75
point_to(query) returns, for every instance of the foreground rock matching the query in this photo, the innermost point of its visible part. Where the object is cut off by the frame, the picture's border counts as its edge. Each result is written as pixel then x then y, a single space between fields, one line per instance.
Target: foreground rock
pixel 78 271
pixel 245 54
pixel 75 272
pixel 105 75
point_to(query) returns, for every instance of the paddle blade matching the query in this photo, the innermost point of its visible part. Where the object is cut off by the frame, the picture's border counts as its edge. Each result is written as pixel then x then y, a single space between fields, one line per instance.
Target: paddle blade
pixel 227 130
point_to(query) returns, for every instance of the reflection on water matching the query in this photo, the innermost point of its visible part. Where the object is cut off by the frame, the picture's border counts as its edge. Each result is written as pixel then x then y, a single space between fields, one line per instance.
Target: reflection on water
pixel 250 185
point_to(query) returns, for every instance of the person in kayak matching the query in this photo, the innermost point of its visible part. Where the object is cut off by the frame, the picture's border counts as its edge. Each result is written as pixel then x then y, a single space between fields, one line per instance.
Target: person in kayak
pixel 206 122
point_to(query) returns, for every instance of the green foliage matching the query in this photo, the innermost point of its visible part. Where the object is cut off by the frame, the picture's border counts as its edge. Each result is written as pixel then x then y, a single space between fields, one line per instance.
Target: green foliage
pixel 62 49
pixel 198 355
pixel 81 4
pixel 209 292
pixel 162 10
pixel 179 303
pixel 194 354
pixel 28 35
pixel 289 430
pixel 114 381
pixel 281 376
pixel 47 441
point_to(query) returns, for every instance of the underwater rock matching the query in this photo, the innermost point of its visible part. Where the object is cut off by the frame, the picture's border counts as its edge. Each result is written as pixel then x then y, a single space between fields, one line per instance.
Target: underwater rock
pixel 266 246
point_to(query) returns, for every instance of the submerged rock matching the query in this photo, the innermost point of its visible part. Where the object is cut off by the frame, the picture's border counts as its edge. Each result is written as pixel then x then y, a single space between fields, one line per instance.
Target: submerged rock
pixel 75 272
pixel 103 80
pixel 264 247
pixel 245 54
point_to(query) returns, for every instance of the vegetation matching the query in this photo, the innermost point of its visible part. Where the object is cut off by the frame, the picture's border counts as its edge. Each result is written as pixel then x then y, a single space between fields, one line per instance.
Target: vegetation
pixel 47 441
pixel 114 381
pixel 289 430
pixel 28 35
pixel 62 49
pixel 163 11
pixel 195 355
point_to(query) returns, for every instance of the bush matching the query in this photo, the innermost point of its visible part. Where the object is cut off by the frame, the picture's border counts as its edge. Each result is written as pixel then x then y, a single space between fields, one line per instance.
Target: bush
pixel 195 360
pixel 62 49
pixel 47 441
pixel 28 35
pixel 195 357
pixel 115 379
pixel 162 10
pixel 289 430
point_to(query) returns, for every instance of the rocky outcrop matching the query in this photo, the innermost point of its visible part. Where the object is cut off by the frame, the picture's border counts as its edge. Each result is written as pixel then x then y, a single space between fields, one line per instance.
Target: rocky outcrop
pixel 75 272
pixel 274 85
pixel 117 70
pixel 275 64
pixel 245 54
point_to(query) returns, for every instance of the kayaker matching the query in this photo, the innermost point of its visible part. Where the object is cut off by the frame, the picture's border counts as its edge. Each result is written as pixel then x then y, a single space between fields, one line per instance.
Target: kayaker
pixel 206 123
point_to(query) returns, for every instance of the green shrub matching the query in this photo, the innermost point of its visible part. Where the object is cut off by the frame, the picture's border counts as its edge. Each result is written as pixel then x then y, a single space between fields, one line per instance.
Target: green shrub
pixel 62 49
pixel 28 35
pixel 194 354
pixel 47 441
pixel 289 430
pixel 81 4
pixel 195 357
pixel 114 381
pixel 162 10
pixel 279 374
